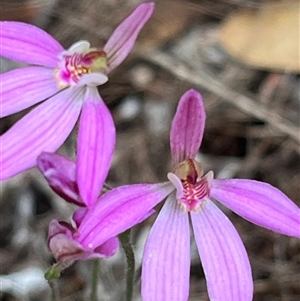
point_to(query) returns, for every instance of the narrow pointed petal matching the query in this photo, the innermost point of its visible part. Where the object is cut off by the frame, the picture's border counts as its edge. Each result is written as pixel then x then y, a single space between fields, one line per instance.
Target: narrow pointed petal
pixel 29 44
pixel 259 203
pixel 24 87
pixel 119 210
pixel 166 259
pixel 122 40
pixel 60 173
pixel 45 128
pixel 223 255
pixel 96 143
pixel 187 127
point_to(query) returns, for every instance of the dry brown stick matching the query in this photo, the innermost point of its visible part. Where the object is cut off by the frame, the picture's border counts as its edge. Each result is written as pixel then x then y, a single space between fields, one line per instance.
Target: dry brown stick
pixel 203 78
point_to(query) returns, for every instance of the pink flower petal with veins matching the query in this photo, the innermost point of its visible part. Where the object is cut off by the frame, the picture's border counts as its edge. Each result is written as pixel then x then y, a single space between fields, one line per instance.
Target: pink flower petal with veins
pixel 259 203
pixel 24 87
pixel 96 143
pixel 223 255
pixel 118 210
pixel 45 128
pixel 187 127
pixel 122 40
pixel 166 259
pixel 29 44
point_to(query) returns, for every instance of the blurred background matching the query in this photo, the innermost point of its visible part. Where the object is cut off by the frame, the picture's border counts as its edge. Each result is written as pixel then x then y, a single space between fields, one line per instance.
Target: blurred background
pixel 243 56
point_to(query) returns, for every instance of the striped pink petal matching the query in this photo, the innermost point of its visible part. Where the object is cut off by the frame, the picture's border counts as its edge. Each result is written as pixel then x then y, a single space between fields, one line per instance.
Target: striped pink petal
pixel 223 255
pixel 259 203
pixel 24 87
pixel 187 127
pixel 166 259
pixel 122 40
pixel 96 142
pixel 119 210
pixel 45 128
pixel 29 44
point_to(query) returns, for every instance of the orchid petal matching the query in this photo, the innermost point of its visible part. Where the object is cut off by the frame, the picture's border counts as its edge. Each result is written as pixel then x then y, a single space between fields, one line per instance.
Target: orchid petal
pixel 62 241
pixel 118 210
pixel 166 259
pixel 187 127
pixel 60 173
pixel 81 46
pixel 92 79
pixel 26 43
pixel 96 142
pixel 177 184
pixel 24 87
pixel 109 248
pixel 45 128
pixel 122 40
pixel 146 215
pixel 223 255
pixel 79 214
pixel 56 227
pixel 259 203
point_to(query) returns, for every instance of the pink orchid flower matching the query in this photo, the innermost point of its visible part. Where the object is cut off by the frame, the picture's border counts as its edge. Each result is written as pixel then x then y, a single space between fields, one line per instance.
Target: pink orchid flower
pixel 95 230
pixel 166 261
pixel 98 220
pixel 95 225
pixel 65 80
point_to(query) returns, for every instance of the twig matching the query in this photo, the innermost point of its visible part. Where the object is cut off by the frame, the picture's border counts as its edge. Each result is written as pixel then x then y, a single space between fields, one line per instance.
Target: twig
pixel 95 273
pixel 203 78
pixel 54 290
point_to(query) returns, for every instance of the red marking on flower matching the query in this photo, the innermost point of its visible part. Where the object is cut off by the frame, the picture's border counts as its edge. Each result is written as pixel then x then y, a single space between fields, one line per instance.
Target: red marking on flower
pixel 194 188
pixel 193 194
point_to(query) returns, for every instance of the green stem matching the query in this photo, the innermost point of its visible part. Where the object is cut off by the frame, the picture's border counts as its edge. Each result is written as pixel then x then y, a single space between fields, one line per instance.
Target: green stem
pixel 54 290
pixel 94 295
pixel 127 247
